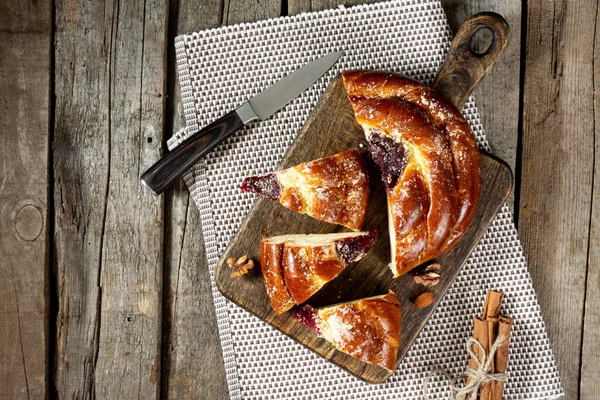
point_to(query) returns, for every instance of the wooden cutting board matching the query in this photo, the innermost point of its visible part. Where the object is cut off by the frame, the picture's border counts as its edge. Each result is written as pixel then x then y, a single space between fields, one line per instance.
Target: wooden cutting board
pixel 330 129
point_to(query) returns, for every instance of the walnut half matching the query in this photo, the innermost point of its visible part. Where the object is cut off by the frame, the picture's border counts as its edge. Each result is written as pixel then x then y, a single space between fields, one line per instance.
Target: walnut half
pixel 428 276
pixel 240 266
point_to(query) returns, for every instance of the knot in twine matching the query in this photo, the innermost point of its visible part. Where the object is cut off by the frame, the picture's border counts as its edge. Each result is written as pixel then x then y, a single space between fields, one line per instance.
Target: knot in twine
pixel 478 376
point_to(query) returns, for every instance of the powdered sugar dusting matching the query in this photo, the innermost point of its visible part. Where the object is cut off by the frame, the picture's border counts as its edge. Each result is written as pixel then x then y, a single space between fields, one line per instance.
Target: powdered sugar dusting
pixel 338 332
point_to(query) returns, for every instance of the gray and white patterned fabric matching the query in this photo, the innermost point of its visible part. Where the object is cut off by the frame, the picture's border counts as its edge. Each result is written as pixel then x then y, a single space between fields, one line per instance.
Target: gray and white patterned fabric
pixel 221 68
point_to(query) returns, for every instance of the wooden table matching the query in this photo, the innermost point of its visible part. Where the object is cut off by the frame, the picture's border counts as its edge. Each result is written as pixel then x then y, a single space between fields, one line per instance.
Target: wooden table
pixel 104 289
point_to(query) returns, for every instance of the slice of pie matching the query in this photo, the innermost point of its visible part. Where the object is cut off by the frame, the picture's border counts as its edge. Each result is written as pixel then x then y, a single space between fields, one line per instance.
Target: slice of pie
pixel 296 266
pixel 333 189
pixel 367 329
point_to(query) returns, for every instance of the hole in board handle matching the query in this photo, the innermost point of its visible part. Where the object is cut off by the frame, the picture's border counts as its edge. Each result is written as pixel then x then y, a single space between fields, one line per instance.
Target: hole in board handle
pixel 483 41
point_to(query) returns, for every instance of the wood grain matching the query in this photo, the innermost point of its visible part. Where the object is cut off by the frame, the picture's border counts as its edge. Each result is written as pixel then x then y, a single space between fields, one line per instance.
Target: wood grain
pixel 239 11
pixel 192 360
pixel 371 275
pixel 557 169
pixel 110 86
pixel 300 6
pixel 589 375
pixel 25 56
pixel 196 365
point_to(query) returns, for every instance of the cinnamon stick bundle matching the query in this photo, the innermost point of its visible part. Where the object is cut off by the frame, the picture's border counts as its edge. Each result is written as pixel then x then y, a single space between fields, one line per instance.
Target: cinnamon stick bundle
pixel 486 329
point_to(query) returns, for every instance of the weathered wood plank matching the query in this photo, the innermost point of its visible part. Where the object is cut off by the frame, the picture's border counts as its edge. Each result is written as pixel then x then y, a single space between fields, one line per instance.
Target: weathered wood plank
pixel 196 363
pixel 193 363
pixel 110 85
pixel 238 11
pixel 557 167
pixel 589 377
pixel 25 45
pixel 80 135
pixel 300 6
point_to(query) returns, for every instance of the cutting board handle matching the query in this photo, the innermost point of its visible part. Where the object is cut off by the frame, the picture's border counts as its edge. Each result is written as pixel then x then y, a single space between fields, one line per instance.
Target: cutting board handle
pixel 465 67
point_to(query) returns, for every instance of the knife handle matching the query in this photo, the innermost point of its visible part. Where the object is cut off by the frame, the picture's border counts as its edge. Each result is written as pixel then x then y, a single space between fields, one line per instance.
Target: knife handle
pixel 168 169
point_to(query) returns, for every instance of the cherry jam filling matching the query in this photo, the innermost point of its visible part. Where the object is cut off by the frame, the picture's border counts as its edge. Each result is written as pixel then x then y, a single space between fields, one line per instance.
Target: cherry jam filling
pixel 390 158
pixel 350 249
pixel 266 185
pixel 306 315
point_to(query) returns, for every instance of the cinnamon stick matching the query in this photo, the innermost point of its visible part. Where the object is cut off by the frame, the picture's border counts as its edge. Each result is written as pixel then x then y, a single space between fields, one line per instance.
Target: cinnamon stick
pixel 487 388
pixel 501 358
pixel 480 333
pixel 493 303
pixel 491 313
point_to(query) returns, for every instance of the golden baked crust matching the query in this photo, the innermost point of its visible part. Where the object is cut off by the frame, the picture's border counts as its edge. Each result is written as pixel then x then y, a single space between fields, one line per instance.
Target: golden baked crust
pixel 297 266
pixel 270 264
pixel 308 268
pixel 367 329
pixel 429 161
pixel 333 189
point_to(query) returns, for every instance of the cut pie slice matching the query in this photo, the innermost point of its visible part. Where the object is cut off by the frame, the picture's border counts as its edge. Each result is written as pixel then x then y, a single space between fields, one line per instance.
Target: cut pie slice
pixel 367 329
pixel 333 189
pixel 296 266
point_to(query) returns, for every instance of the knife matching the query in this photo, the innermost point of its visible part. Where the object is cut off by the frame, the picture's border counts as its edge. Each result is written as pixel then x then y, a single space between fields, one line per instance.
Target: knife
pixel 168 169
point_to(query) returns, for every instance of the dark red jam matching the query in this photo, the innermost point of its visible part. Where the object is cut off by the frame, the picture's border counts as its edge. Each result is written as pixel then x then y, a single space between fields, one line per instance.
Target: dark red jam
pixel 389 156
pixel 266 185
pixel 350 249
pixel 306 315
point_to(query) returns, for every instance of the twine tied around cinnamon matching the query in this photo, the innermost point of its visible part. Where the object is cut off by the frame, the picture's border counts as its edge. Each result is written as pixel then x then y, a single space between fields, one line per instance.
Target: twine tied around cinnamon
pixel 478 376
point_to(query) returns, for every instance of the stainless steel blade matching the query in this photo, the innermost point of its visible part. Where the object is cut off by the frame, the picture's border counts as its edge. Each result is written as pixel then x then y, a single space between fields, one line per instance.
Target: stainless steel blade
pixel 269 101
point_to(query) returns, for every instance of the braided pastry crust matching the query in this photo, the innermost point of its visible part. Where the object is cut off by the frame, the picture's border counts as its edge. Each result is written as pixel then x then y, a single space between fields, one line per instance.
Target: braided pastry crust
pixel 428 159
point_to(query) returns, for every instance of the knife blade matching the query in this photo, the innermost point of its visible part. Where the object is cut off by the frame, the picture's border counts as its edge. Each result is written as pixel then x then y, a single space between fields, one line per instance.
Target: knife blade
pixel 168 169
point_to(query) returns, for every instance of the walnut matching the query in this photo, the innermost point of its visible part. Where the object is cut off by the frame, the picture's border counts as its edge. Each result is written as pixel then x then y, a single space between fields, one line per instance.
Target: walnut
pixel 428 276
pixel 241 266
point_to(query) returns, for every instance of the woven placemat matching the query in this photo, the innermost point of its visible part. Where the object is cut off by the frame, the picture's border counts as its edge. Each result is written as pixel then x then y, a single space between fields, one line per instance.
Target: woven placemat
pixel 221 68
